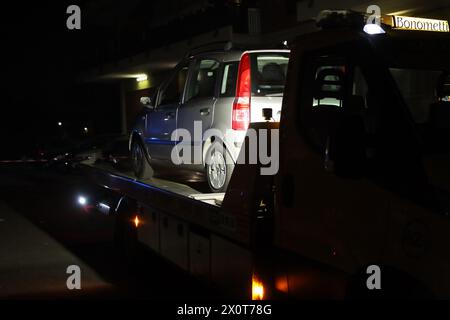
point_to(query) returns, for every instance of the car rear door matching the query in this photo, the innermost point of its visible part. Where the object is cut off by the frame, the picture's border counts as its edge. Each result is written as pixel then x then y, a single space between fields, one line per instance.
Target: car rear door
pixel 195 115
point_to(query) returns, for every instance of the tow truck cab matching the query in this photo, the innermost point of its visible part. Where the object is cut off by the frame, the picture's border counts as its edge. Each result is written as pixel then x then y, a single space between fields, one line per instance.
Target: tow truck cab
pixel 364 154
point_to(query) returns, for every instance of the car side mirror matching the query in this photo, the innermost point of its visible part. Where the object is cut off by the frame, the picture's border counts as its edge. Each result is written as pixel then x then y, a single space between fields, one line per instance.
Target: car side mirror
pixel 147 102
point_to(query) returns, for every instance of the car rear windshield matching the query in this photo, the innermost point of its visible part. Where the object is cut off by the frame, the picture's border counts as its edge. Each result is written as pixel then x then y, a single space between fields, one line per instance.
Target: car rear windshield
pixel 269 73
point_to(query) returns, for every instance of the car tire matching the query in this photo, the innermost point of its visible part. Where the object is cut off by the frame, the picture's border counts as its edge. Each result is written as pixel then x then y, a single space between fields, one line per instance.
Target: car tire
pixel 219 167
pixel 139 158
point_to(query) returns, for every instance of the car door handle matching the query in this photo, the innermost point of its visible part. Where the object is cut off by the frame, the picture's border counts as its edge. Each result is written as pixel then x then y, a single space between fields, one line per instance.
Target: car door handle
pixel 205 111
pixel 169 115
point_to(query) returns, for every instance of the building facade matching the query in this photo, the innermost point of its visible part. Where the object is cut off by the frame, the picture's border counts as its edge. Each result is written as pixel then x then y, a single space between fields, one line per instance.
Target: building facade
pixel 146 39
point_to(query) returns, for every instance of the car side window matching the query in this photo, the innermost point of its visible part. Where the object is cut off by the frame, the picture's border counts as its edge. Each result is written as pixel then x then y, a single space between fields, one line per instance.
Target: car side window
pixel 202 81
pixel 229 78
pixel 173 91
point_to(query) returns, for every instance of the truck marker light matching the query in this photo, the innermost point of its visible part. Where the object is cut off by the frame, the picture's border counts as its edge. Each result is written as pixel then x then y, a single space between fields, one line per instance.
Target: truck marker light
pixel 104 206
pixel 136 221
pixel 282 284
pixel 257 289
pixel 82 200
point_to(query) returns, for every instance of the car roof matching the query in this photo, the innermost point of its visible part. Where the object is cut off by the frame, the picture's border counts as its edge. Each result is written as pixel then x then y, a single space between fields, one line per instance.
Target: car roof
pixel 233 55
pixel 222 56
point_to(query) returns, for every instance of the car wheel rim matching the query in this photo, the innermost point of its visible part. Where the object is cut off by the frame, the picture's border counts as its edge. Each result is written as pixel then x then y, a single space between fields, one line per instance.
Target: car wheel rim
pixel 217 170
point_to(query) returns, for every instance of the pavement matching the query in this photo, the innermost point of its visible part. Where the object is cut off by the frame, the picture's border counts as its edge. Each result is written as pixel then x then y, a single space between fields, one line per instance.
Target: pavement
pixel 33 263
pixel 43 231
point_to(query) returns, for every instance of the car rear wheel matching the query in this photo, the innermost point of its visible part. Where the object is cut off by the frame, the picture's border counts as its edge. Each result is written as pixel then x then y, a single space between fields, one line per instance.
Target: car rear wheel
pixel 219 167
pixel 141 167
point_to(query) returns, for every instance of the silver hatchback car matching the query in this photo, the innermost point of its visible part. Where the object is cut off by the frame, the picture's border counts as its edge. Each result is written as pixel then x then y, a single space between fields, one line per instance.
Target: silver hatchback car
pixel 198 118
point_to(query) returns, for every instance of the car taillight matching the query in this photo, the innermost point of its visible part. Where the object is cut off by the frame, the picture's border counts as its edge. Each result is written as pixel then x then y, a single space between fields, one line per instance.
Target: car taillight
pixel 241 104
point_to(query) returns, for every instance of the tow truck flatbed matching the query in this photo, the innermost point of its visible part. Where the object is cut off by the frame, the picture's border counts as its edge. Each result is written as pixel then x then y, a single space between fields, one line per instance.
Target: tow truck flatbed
pixel 210 235
pixel 168 197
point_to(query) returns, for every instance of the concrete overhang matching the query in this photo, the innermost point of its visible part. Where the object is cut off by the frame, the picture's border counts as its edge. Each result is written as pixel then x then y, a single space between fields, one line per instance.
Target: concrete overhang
pixel 159 60
pixel 164 58
pixel 155 60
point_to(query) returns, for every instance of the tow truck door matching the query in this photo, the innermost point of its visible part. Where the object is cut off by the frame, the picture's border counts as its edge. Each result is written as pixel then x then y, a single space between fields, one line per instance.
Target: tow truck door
pixel 335 218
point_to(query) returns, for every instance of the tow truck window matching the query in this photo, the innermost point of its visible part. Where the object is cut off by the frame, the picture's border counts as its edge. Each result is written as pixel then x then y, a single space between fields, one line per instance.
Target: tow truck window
pixel 335 85
pixel 418 88
pixel 329 85
pixel 387 144
pixel 203 80
pixel 420 69
pixel 426 94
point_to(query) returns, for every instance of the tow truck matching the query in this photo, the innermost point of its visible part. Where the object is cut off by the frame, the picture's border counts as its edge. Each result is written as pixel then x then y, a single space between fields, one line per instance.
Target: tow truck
pixel 363 177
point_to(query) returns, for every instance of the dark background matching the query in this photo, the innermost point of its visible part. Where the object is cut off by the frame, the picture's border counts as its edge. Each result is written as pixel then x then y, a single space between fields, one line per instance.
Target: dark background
pixel 42 62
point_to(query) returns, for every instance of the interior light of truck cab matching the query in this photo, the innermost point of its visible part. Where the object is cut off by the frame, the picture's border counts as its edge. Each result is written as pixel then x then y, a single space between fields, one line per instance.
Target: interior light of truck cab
pixel 373 29
pixel 136 221
pixel 257 289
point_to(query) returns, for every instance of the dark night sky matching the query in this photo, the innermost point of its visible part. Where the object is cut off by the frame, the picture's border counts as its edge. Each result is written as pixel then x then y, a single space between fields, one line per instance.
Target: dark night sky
pixel 41 60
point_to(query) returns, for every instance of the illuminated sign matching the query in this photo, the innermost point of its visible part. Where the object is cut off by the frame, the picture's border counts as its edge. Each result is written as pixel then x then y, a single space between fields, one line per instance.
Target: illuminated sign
pixel 420 24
